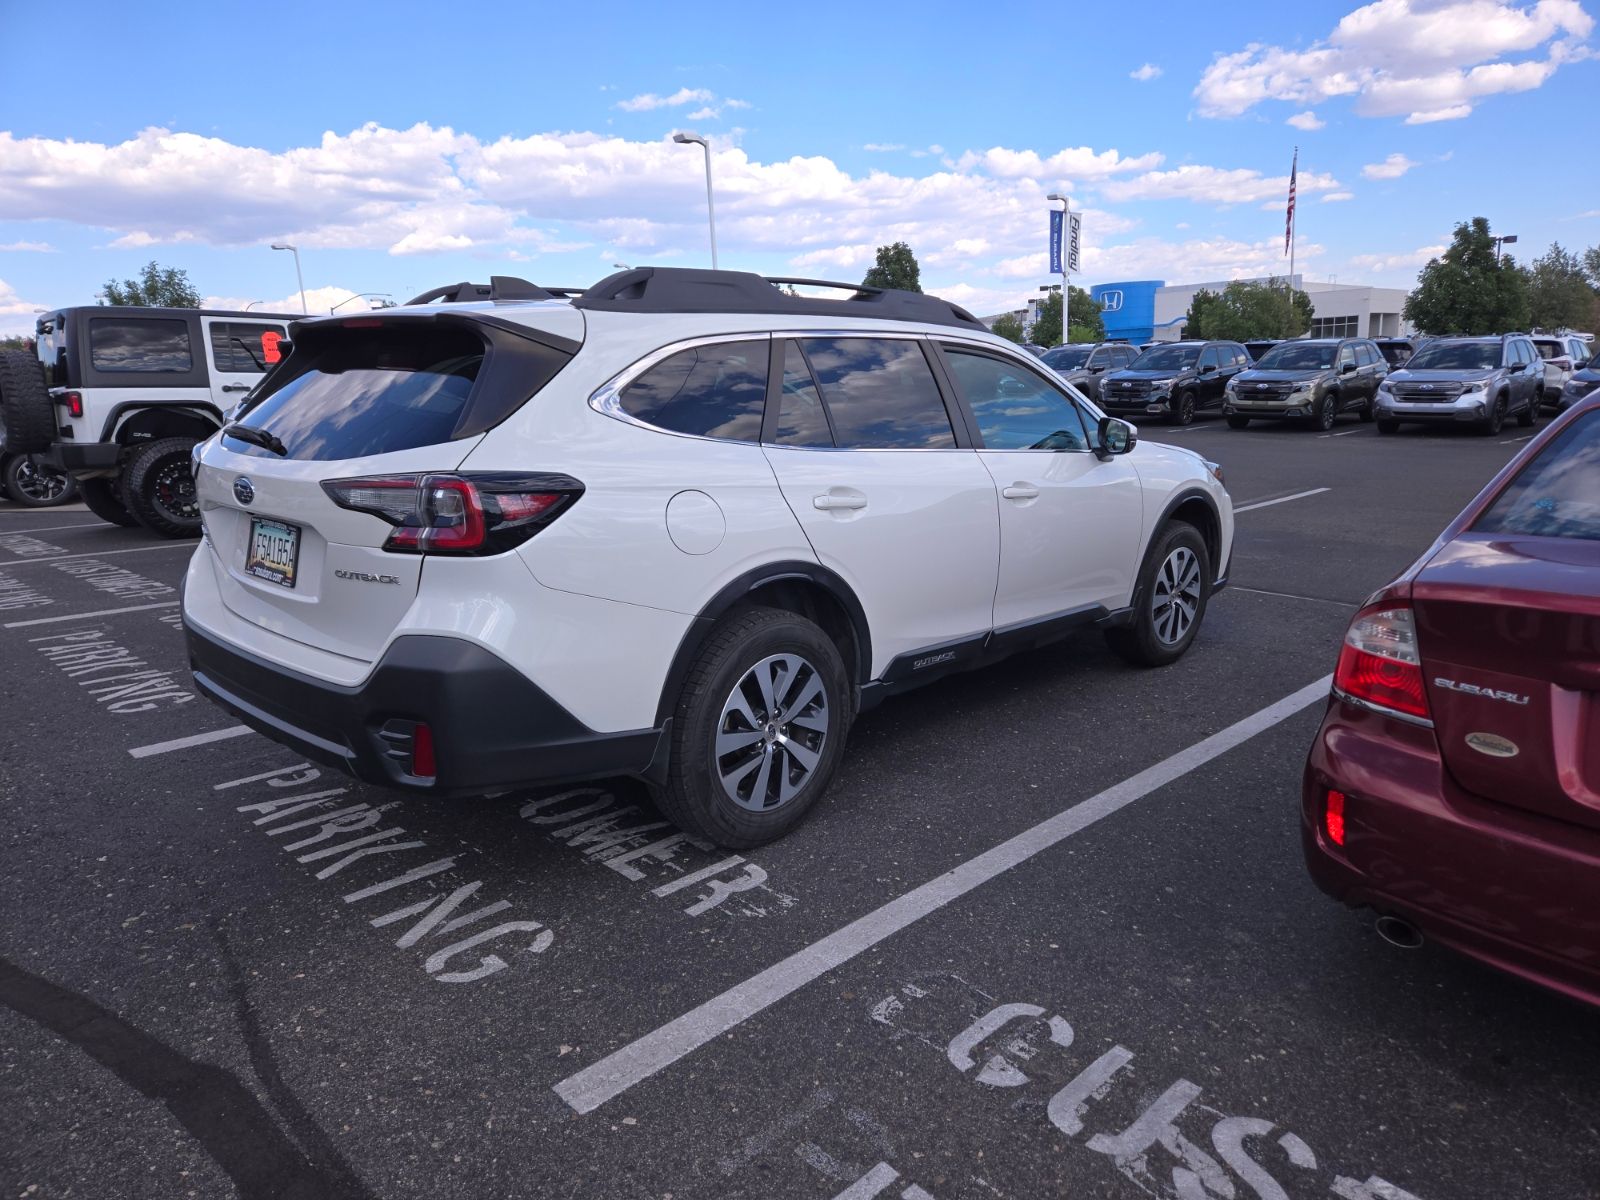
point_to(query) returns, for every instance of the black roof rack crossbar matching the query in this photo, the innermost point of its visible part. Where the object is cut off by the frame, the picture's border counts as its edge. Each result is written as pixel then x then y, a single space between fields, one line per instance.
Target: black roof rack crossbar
pixel 499 287
pixel 865 289
pixel 684 289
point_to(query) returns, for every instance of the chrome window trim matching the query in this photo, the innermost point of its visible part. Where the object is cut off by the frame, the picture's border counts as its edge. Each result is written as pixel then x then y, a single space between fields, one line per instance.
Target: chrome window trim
pixel 1420 722
pixel 607 398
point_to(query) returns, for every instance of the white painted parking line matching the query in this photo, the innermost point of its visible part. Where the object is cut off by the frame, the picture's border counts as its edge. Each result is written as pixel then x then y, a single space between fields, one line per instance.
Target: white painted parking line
pixel 100 553
pixel 1341 433
pixel 659 1049
pixel 1515 440
pixel 1239 508
pixel 104 612
pixel 1235 587
pixel 54 528
pixel 198 739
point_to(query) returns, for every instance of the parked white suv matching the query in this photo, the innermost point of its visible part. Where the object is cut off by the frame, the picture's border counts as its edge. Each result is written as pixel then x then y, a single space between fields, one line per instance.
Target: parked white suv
pixel 681 526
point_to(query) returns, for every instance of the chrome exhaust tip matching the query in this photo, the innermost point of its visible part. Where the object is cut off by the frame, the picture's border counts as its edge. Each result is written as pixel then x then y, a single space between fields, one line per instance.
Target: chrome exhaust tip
pixel 1399 932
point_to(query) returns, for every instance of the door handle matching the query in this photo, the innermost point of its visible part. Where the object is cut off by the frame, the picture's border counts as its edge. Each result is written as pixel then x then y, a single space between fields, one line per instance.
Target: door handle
pixel 1020 491
pixel 826 503
pixel 236 387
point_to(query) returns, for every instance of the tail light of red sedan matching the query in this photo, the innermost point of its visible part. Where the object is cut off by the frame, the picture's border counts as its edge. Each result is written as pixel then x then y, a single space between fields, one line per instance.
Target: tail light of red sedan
pixel 1380 667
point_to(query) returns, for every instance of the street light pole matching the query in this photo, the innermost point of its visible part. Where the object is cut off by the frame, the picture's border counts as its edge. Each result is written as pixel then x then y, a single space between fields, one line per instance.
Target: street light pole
pixel 299 278
pixel 1500 243
pixel 1066 267
pixel 684 139
pixel 357 296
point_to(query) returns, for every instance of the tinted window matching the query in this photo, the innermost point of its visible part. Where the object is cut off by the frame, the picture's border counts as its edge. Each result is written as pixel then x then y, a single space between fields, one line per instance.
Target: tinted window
pixel 1065 358
pixel 1347 356
pixel 801 419
pixel 715 391
pixel 1456 356
pixel 1549 349
pixel 1558 493
pixel 1014 408
pixel 245 348
pixel 1394 353
pixel 140 346
pixel 1125 355
pixel 1210 357
pixel 371 392
pixel 1167 358
pixel 1365 355
pixel 1297 356
pixel 880 393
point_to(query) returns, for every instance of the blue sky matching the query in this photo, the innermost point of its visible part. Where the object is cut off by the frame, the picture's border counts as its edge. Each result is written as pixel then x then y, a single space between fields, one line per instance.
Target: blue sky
pixel 405 145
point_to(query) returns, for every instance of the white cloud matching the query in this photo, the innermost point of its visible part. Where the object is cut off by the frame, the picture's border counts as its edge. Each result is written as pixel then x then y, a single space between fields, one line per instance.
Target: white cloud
pixel 647 101
pixel 319 300
pixel 1397 260
pixel 1335 197
pixel 884 147
pixel 730 102
pixel 703 114
pixel 16 314
pixel 1195 261
pixel 1426 60
pixel 27 248
pixel 1308 120
pixel 1080 162
pixel 1392 167
pixel 1213 185
pixel 1145 73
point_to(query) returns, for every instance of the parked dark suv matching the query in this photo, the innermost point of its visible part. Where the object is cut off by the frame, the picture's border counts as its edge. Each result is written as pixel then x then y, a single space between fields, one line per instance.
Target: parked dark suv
pixel 1174 380
pixel 1476 381
pixel 1312 379
pixel 1084 365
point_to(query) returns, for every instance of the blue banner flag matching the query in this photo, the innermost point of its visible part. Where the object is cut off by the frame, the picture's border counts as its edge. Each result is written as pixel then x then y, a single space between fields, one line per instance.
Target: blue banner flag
pixel 1055 242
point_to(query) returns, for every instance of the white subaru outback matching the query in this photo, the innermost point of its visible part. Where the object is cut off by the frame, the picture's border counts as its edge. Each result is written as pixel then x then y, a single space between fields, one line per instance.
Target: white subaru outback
pixel 682 526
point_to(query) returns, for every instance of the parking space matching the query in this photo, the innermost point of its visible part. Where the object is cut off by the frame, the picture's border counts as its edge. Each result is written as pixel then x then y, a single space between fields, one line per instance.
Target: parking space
pixel 1048 935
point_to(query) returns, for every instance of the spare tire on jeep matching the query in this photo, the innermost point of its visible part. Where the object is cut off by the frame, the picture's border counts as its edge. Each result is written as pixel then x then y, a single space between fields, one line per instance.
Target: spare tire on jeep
pixel 25 405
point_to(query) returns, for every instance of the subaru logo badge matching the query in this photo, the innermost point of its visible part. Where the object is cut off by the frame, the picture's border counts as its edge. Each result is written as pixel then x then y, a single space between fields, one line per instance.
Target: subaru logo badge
pixel 1427 387
pixel 243 490
pixel 1261 387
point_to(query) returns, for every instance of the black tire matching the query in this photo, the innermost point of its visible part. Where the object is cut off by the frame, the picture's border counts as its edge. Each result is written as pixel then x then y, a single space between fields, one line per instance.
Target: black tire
pixel 1369 411
pixel 1182 409
pixel 1327 412
pixel 1388 426
pixel 1238 421
pixel 158 484
pixel 25 405
pixel 1529 415
pixel 34 484
pixel 1495 421
pixel 1143 643
pixel 694 796
pixel 105 501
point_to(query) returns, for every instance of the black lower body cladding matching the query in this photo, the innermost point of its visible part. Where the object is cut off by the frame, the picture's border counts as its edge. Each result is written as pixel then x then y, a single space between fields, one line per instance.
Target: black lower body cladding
pixel 492 727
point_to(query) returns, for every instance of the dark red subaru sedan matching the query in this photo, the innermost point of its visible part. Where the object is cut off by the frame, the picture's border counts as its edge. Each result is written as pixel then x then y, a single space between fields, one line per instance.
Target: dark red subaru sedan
pixel 1454 786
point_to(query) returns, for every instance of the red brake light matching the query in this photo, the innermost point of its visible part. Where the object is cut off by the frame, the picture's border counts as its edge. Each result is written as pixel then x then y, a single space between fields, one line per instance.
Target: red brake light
pixel 476 513
pixel 1379 664
pixel 1333 817
pixel 422 764
pixel 72 402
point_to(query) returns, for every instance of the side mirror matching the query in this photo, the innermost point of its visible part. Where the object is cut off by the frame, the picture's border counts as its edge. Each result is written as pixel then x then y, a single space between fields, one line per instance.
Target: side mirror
pixel 1347 368
pixel 1116 437
pixel 1208 369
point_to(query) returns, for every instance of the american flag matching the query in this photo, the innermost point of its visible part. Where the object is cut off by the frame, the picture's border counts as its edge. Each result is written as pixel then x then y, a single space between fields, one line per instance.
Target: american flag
pixel 1288 219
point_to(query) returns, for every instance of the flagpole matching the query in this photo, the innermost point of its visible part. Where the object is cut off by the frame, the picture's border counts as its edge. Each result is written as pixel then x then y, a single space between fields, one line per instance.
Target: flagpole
pixel 1294 221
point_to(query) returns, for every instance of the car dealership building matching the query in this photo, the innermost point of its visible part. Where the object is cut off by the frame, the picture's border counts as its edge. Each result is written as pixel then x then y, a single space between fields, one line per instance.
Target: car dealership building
pixel 1150 310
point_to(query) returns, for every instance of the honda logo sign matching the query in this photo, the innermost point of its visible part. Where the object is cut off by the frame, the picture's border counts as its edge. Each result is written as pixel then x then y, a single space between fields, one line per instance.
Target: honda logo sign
pixel 1111 301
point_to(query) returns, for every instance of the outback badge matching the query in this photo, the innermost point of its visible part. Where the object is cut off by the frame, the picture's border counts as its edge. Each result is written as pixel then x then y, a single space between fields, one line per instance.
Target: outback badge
pixel 1492 744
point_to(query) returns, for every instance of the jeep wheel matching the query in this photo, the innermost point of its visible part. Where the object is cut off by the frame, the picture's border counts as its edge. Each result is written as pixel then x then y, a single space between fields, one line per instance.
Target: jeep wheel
pixel 1238 421
pixel 159 486
pixel 104 500
pixel 1529 415
pixel 1183 408
pixel 34 484
pixel 1174 585
pixel 758 730
pixel 1326 413
pixel 26 409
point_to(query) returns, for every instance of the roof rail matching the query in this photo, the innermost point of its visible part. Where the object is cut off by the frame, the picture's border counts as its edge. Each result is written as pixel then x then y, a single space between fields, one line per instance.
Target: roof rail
pixel 684 289
pixel 499 287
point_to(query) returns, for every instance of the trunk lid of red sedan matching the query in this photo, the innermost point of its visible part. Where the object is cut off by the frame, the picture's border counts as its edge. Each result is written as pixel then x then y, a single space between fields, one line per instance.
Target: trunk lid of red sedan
pixel 1508 627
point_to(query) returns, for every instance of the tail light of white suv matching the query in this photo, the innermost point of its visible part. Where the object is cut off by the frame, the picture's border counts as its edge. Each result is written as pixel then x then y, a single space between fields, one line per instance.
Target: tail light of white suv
pixel 474 514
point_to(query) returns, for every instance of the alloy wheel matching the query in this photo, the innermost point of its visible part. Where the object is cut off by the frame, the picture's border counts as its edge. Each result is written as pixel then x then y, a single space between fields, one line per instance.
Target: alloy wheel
pixel 772 732
pixel 172 491
pixel 1175 598
pixel 40 485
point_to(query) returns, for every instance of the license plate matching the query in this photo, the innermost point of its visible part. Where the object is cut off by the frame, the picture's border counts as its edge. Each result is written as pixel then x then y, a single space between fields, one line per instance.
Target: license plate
pixel 273 552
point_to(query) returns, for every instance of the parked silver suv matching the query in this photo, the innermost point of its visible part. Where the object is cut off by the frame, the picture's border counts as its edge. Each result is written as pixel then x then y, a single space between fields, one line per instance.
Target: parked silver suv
pixel 1476 381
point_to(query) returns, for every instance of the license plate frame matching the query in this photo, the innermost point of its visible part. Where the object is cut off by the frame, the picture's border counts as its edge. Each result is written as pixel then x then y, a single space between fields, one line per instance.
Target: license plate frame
pixel 273 567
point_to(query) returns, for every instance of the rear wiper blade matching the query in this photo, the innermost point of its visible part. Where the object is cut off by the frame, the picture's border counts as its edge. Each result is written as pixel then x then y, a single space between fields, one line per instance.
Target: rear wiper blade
pixel 256 437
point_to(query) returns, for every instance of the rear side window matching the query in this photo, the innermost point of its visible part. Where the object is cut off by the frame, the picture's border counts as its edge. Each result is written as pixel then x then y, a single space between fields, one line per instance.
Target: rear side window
pixel 802 421
pixel 246 347
pixel 880 393
pixel 372 392
pixel 717 391
pixel 1558 493
pixel 143 347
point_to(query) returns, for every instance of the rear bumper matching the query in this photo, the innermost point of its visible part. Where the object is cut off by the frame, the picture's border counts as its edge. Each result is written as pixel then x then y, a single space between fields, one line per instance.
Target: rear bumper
pixel 492 727
pixel 1506 887
pixel 83 456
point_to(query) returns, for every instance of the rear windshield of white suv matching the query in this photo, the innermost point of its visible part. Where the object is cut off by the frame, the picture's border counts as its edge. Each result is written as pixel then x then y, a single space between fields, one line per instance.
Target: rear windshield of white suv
pixel 1558 493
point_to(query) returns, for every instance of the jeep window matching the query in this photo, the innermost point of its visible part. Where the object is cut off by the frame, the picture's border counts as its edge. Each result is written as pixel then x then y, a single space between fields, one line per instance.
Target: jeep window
pixel 1303 356
pixel 1066 358
pixel 143 347
pixel 717 391
pixel 1558 493
pixel 1456 356
pixel 245 348
pixel 880 393
pixel 51 348
pixel 1167 358
pixel 1014 408
pixel 802 421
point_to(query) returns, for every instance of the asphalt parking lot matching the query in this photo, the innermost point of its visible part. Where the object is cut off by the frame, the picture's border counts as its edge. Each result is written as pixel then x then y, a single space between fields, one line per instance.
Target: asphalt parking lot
pixel 1050 934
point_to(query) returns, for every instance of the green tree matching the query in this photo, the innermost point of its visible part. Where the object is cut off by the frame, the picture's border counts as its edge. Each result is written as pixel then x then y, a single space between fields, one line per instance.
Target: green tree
pixel 1591 265
pixel 1008 327
pixel 1085 323
pixel 896 268
pixel 1047 325
pixel 17 341
pixel 1249 310
pixel 1468 289
pixel 156 287
pixel 1559 296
